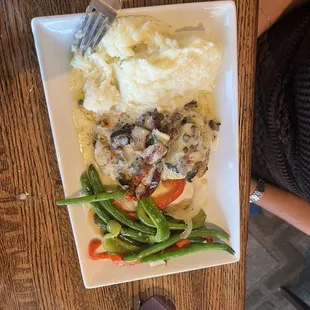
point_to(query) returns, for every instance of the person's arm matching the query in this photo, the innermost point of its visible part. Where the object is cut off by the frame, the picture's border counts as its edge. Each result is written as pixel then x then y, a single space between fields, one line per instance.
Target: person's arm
pixel 271 10
pixel 285 205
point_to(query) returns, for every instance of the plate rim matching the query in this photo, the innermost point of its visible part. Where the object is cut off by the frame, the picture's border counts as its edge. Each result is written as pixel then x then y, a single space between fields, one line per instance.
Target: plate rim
pixel 37 22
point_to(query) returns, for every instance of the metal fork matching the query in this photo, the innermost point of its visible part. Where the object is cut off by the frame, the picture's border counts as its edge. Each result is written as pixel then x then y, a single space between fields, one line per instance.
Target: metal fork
pixel 98 18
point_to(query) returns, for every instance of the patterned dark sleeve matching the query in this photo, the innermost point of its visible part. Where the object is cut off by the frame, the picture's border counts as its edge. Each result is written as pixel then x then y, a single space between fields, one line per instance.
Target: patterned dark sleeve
pixel 281 133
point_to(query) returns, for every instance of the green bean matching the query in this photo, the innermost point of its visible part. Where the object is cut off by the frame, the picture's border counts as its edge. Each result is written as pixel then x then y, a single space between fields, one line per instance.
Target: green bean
pixel 87 189
pixel 90 198
pixel 192 248
pixel 117 246
pixel 94 179
pixel 204 232
pixel 198 220
pixel 101 212
pixel 99 222
pixel 197 240
pixel 200 232
pixel 114 227
pixel 142 216
pixel 135 235
pixel 153 249
pixel 85 183
pixel 107 205
pixel 127 239
pixel 157 218
pixel 103 227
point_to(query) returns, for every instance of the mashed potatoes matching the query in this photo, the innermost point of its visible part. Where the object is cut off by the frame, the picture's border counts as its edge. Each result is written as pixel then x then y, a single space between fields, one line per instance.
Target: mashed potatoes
pixel 141 65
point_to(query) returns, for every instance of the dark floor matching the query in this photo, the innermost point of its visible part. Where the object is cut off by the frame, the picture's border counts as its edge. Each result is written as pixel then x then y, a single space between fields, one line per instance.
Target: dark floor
pixel 278 255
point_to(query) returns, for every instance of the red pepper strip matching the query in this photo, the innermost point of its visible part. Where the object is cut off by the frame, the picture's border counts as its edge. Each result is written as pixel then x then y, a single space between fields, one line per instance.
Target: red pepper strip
pixel 183 243
pixel 118 205
pixel 132 215
pixel 176 188
pixel 95 244
pixel 180 244
pixel 172 248
pixel 209 239
pixel 92 247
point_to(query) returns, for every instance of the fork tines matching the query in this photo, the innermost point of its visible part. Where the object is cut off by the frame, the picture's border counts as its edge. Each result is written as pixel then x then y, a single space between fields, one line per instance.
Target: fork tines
pixel 97 20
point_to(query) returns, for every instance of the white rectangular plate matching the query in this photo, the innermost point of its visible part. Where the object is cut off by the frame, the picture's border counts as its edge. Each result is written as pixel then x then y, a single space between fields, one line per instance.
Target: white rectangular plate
pixel 53 37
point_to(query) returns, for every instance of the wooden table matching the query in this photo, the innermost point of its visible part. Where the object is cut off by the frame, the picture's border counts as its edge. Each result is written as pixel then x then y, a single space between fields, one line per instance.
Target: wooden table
pixel 39 267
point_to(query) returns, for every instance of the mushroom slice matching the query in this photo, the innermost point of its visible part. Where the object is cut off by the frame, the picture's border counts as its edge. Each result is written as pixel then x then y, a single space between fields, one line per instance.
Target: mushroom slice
pixel 120 137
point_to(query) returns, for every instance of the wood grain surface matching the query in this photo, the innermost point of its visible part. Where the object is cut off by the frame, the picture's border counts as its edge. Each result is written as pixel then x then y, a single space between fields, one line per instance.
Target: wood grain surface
pixel 39 267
